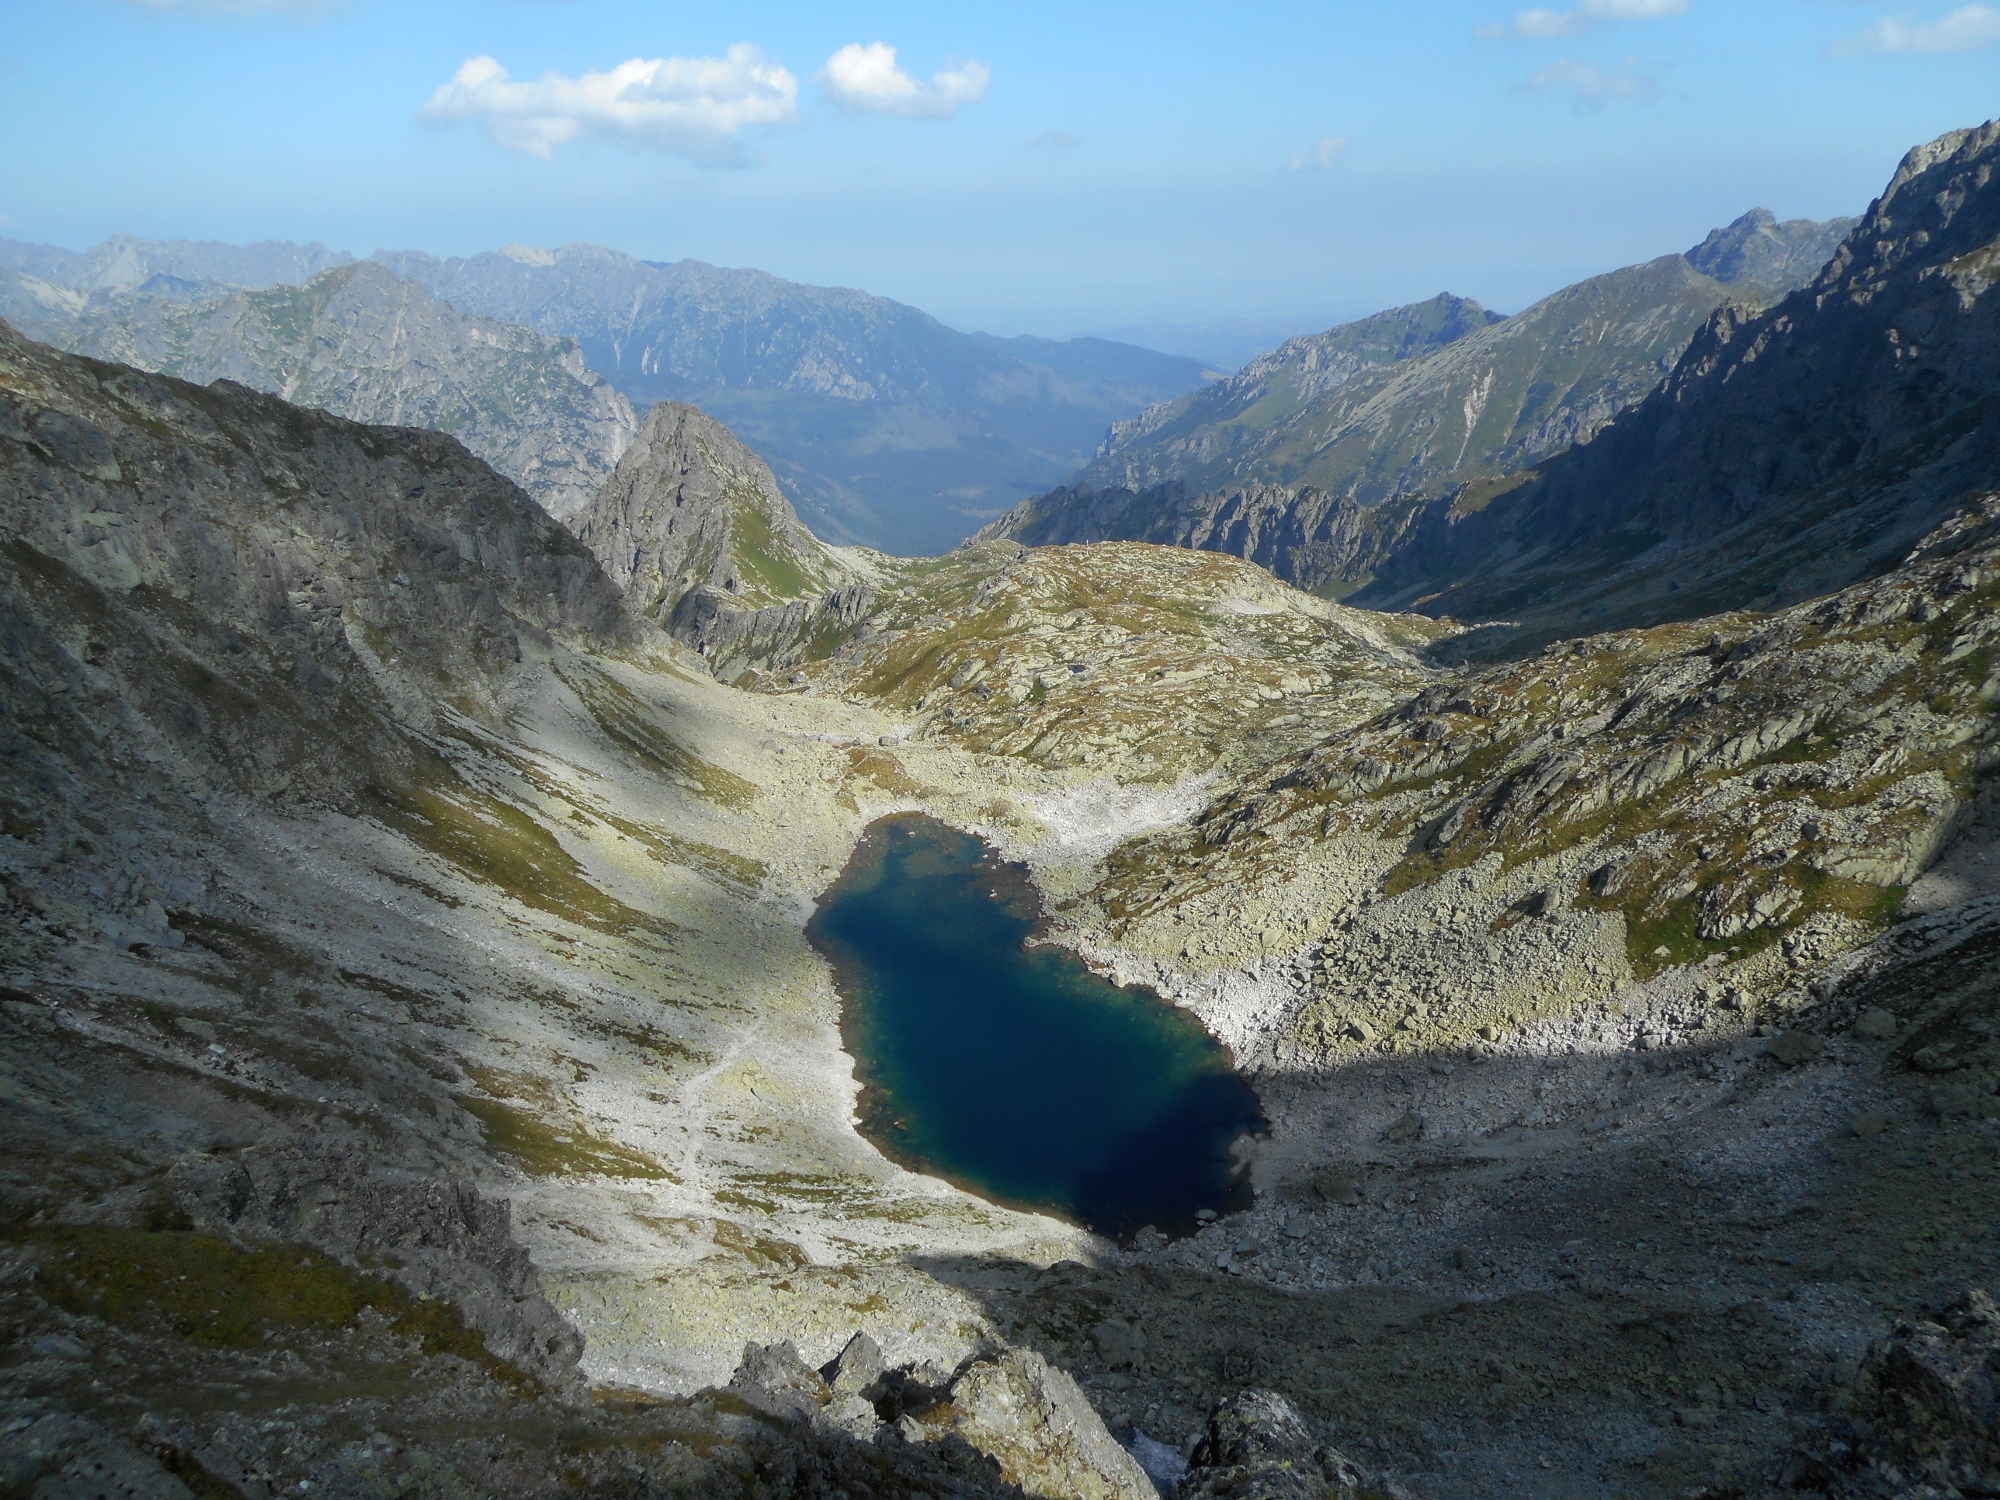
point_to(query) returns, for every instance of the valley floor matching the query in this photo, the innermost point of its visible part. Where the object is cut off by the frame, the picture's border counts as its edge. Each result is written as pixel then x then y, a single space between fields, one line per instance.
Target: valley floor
pixel 1605 1252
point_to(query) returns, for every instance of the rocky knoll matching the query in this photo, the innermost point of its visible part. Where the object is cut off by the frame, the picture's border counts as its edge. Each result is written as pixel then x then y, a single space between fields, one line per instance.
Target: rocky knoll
pixel 1792 450
pixel 1157 663
pixel 691 509
pixel 365 344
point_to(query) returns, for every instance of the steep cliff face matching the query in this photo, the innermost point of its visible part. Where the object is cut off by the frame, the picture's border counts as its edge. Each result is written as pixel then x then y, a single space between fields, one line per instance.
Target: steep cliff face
pixel 690 507
pixel 368 345
pixel 1792 450
pixel 271 586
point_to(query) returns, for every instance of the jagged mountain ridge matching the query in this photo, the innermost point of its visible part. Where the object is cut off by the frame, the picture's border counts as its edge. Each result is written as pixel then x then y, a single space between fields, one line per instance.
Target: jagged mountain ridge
pixel 369 345
pixel 887 427
pixel 1287 462
pixel 1792 450
pixel 1478 395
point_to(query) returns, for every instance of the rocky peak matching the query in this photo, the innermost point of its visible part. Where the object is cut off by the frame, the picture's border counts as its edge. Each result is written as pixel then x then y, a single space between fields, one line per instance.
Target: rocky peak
pixel 691 507
pixel 1940 204
pixel 1766 256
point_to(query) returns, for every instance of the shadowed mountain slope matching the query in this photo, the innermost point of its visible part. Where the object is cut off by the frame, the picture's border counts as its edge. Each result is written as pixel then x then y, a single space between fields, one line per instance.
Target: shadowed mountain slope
pixel 273 586
pixel 1793 449
pixel 365 344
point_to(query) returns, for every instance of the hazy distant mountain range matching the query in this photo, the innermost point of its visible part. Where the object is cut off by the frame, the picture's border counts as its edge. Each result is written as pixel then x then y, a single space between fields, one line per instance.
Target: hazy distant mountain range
pixel 357 340
pixel 887 427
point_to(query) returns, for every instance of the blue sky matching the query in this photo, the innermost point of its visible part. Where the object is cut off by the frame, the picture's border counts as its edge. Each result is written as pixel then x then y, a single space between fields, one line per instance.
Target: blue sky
pixel 1022 167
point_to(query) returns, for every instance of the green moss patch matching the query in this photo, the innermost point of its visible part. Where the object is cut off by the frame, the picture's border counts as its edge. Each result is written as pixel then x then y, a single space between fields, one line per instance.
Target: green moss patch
pixel 547 1140
pixel 201 1288
pixel 499 845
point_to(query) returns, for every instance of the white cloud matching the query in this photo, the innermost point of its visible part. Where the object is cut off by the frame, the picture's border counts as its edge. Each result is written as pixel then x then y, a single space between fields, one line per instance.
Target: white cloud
pixel 1320 155
pixel 1052 140
pixel 1539 25
pixel 692 107
pixel 867 79
pixel 298 10
pixel 1593 87
pixel 1966 29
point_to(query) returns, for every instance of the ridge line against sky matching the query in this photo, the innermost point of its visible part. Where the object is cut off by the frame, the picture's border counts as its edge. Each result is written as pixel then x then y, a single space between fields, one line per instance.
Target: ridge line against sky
pixel 1022 168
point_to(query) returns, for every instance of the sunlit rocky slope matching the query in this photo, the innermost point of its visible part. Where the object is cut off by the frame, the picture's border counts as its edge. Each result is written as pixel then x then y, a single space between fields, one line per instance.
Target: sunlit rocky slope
pixel 410 1029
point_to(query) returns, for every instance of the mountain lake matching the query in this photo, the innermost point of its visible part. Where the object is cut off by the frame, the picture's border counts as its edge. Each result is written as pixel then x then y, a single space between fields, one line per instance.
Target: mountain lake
pixel 1005 1065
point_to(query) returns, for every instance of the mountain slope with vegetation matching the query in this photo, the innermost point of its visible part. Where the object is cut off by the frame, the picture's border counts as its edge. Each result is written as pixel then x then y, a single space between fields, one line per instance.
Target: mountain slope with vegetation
pixel 417 1081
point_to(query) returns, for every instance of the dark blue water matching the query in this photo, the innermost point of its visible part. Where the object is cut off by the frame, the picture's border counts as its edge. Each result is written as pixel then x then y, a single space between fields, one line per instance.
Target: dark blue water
pixel 1013 1070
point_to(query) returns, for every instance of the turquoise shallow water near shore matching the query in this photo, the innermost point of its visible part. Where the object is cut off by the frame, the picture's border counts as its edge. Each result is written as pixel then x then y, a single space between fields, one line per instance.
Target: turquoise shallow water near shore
pixel 1013 1070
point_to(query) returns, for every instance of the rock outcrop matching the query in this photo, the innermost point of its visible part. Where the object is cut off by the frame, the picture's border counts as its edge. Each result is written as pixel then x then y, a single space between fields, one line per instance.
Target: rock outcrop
pixel 1032 1419
pixel 1025 1416
pixel 1255 1447
pixel 366 344
pixel 696 531
pixel 690 507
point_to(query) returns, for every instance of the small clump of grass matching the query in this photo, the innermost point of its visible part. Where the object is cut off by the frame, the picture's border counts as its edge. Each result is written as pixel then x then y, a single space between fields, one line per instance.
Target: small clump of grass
pixel 201 1288
pixel 546 1141
pixel 498 845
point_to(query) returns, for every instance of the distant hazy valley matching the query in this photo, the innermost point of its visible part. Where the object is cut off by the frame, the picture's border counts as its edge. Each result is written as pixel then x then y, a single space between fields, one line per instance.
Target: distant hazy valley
pixel 1553 753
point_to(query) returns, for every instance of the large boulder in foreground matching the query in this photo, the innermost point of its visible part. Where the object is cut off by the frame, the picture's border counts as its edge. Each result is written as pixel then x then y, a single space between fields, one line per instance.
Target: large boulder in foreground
pixel 1020 1410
